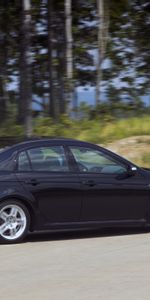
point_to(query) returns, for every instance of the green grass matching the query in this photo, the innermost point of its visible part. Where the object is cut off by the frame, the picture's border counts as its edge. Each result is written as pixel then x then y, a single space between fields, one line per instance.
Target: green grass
pixel 143 160
pixel 127 128
pixel 99 131
pixel 96 131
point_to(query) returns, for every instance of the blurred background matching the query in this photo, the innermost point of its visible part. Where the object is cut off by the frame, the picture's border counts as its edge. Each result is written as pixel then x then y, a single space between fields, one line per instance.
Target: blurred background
pixel 78 69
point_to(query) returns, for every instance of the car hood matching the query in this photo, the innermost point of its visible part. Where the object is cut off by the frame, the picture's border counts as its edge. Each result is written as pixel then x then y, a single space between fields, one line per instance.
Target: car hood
pixel 146 169
pixel 146 173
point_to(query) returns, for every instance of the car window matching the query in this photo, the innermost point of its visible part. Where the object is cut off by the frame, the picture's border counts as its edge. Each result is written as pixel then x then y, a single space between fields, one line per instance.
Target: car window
pixel 23 162
pixel 91 160
pixel 7 162
pixel 50 159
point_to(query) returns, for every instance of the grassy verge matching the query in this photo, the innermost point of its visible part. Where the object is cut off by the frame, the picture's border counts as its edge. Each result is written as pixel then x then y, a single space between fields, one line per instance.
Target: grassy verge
pixel 103 132
pixel 96 131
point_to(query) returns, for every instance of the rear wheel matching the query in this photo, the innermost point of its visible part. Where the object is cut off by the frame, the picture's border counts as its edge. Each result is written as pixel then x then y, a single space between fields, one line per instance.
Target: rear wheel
pixel 14 221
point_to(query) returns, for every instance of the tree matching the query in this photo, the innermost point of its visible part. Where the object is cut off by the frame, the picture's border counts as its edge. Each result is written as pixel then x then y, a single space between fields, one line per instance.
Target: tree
pixel 50 60
pixel 69 57
pixel 55 49
pixel 4 45
pixel 25 99
pixel 102 27
pixel 129 71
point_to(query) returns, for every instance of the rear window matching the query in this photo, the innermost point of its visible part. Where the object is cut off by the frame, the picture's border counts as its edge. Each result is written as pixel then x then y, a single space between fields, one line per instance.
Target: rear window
pixel 7 161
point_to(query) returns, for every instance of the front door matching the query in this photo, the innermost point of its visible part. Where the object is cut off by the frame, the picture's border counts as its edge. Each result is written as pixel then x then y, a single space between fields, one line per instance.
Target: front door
pixel 107 196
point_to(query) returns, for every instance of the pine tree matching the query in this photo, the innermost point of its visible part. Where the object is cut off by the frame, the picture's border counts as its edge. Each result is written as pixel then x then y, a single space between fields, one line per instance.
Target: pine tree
pixel 69 55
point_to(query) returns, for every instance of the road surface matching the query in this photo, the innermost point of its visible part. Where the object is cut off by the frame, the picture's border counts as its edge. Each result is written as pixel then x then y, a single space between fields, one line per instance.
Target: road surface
pixel 107 265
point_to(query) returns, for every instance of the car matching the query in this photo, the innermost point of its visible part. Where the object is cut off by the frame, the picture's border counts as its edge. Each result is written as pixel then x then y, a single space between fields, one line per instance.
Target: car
pixel 65 184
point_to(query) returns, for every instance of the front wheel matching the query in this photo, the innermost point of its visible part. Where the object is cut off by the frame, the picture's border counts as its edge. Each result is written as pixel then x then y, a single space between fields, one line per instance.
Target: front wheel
pixel 14 221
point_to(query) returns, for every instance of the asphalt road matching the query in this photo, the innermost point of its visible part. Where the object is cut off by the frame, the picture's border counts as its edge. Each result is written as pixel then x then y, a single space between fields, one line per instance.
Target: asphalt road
pixel 107 265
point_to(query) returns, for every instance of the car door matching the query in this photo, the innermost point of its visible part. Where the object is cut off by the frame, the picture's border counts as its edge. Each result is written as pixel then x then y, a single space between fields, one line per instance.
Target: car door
pixel 46 174
pixel 107 195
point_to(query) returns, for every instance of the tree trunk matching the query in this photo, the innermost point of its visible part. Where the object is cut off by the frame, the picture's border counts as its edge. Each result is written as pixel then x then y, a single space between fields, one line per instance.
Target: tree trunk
pixel 61 70
pixel 69 56
pixel 50 60
pixel 3 98
pixel 22 88
pixel 25 101
pixel 102 23
pixel 3 63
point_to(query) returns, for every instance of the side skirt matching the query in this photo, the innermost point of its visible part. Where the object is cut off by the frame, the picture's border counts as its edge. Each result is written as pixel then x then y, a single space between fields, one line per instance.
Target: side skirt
pixel 93 224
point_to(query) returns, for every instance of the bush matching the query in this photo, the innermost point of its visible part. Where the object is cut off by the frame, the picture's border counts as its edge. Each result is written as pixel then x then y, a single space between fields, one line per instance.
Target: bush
pixel 95 131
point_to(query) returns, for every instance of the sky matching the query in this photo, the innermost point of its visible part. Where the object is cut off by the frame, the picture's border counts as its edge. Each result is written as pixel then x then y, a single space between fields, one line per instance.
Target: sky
pixel 89 96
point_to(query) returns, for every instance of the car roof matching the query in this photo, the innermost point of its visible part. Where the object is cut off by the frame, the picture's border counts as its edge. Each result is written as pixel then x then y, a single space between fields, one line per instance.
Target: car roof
pixel 46 141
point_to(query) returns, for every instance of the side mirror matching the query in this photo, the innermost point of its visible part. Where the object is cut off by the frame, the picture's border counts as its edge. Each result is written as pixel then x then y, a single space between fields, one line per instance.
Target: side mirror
pixel 132 170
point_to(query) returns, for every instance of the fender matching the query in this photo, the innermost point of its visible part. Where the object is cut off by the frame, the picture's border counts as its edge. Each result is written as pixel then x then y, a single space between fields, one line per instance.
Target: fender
pixel 13 189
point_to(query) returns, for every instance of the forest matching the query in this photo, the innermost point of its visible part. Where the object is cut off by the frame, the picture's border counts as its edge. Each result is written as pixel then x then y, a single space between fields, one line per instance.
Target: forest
pixel 50 50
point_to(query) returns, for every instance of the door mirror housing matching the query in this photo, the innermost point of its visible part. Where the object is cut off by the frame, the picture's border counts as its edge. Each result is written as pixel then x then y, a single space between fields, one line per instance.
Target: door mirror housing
pixel 132 170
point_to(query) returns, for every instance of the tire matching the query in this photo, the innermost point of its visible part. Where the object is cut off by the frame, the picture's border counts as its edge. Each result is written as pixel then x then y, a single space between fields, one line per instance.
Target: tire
pixel 14 221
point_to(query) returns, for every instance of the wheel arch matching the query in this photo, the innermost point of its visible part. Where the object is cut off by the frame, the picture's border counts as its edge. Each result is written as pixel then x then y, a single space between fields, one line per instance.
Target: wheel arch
pixel 27 204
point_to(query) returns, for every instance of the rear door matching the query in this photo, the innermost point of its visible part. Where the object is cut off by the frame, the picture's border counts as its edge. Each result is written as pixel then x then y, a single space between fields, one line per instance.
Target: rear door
pixel 46 174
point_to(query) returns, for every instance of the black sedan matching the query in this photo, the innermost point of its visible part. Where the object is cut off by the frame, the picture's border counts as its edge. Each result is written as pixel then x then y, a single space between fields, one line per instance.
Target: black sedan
pixel 57 184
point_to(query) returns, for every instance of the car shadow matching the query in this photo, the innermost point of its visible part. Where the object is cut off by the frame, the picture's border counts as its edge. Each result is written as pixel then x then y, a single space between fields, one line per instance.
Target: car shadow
pixel 82 234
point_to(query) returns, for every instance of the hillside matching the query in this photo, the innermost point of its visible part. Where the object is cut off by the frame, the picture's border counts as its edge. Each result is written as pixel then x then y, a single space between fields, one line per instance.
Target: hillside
pixel 135 148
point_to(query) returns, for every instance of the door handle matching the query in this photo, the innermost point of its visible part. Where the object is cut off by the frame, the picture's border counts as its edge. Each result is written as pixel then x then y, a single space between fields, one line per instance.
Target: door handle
pixel 32 181
pixel 89 183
